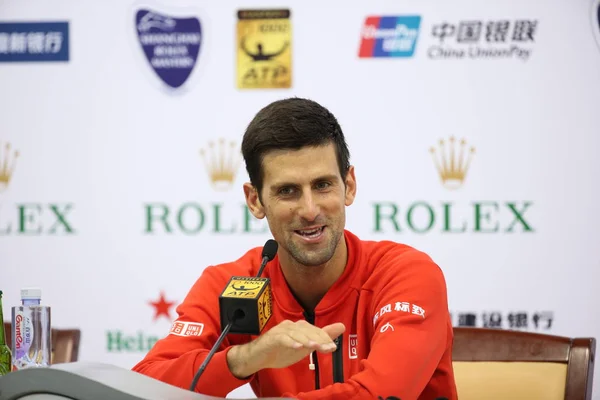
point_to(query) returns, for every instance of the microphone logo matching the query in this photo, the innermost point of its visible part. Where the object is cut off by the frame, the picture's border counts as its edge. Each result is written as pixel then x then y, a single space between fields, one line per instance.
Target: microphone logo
pixel 245 287
pixel 245 303
pixel 249 298
pixel 244 306
pixel 264 308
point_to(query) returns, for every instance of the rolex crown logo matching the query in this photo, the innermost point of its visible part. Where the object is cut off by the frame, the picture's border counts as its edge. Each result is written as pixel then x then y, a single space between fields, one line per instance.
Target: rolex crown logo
pixel 452 161
pixel 8 160
pixel 221 160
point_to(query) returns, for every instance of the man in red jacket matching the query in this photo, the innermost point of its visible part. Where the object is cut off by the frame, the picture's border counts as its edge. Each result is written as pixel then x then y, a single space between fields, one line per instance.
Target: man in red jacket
pixel 383 303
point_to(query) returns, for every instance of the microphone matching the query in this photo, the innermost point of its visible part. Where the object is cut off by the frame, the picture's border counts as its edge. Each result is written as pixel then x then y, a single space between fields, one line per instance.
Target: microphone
pixel 249 297
pixel 268 253
pixel 244 305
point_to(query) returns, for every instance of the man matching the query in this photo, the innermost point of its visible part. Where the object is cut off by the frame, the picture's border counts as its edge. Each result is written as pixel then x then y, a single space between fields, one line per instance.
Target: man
pixel 387 301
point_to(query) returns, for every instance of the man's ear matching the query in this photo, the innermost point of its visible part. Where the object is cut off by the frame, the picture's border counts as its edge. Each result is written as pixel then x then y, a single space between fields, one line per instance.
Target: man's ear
pixel 253 201
pixel 350 186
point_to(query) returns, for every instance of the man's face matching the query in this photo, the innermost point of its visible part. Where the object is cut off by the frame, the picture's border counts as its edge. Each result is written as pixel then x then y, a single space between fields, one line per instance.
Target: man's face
pixel 304 199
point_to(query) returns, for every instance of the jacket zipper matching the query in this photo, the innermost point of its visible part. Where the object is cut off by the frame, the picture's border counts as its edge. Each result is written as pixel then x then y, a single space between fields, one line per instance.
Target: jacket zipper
pixel 338 361
pixel 310 317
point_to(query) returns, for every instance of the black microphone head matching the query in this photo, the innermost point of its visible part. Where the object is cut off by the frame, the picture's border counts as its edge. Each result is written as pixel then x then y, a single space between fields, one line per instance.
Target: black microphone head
pixel 270 249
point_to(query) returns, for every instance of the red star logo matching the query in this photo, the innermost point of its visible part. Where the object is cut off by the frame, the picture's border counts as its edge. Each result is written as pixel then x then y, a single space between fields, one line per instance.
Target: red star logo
pixel 161 307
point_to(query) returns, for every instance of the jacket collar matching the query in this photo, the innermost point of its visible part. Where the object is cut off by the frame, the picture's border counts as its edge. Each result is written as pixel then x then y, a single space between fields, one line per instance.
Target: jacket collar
pixel 336 295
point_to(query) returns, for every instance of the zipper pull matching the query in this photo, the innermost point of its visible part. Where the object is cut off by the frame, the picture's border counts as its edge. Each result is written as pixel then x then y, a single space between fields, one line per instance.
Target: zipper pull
pixel 311 365
pixel 338 360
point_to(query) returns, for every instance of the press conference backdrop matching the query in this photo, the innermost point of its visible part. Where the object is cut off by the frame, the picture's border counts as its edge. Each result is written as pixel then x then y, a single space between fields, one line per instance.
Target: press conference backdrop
pixel 473 127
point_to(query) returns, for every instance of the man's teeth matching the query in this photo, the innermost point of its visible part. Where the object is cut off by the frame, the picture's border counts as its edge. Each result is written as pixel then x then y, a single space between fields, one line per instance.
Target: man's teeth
pixel 311 232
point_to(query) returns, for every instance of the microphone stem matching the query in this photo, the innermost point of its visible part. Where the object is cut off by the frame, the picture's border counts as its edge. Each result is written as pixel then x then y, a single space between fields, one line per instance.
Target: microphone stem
pixel 262 266
pixel 211 354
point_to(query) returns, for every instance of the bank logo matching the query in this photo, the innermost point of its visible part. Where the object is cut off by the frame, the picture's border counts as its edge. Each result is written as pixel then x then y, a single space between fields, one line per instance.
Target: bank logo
pixel 513 320
pixel 452 161
pixel 34 42
pixel 171 45
pixel 264 49
pixel 221 161
pixel 596 20
pixel 8 161
pixel 478 39
pixel 389 36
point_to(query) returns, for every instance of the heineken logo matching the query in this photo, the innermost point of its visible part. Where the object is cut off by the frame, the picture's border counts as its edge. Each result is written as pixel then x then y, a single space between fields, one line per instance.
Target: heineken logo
pixel 139 341
pixel 117 341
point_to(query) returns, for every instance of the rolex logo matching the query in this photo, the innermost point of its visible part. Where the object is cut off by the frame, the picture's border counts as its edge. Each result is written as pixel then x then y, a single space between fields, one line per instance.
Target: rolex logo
pixel 452 161
pixel 221 160
pixel 8 160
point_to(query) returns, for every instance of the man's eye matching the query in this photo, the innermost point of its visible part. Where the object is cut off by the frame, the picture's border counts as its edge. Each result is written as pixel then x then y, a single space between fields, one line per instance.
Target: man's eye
pixel 286 191
pixel 323 185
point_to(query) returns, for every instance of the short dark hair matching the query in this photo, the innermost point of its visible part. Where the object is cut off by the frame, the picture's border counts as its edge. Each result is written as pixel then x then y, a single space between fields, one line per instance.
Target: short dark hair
pixel 291 123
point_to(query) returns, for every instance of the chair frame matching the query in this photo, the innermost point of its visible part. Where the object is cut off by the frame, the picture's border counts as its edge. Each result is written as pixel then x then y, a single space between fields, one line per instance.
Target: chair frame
pixel 484 344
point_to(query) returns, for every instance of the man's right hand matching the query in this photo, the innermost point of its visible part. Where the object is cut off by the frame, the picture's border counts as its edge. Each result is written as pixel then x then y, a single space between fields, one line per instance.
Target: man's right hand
pixel 281 346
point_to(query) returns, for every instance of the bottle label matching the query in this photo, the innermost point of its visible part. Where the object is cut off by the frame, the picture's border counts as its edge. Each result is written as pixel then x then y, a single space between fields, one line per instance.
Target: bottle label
pixel 23 334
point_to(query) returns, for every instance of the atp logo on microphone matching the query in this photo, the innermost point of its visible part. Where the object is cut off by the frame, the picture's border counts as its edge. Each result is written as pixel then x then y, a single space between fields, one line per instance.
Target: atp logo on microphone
pixel 250 299
pixel 264 308
pixel 246 288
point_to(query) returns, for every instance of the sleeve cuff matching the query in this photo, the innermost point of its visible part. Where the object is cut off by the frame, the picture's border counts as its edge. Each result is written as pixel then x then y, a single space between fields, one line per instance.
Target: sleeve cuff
pixel 217 377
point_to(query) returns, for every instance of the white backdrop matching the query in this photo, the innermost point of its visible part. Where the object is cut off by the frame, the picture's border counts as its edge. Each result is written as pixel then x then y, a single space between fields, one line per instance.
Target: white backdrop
pixel 102 139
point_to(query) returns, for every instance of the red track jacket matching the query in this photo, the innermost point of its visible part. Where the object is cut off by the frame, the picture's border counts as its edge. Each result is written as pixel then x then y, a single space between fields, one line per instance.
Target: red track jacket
pixel 397 344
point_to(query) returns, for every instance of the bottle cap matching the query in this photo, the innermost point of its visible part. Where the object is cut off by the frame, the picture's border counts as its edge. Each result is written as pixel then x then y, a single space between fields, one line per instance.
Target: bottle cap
pixel 31 294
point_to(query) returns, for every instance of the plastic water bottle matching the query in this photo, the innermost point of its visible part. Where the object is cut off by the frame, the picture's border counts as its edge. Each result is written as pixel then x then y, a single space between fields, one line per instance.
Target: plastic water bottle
pixel 31 332
pixel 4 350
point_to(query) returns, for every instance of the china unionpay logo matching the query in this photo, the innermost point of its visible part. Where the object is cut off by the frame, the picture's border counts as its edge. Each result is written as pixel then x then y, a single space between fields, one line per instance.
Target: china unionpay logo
pixel 389 36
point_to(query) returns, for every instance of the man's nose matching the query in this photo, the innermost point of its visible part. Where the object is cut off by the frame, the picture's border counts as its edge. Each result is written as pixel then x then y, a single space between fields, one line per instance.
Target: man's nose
pixel 309 209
